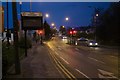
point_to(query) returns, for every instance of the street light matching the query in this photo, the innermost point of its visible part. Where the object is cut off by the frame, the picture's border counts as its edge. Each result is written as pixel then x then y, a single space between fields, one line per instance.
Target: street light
pixel 20 10
pixel 7 25
pixel 66 18
pixel 31 5
pixel 63 26
pixel 47 15
pixel 53 24
pixel 20 5
pixel 95 17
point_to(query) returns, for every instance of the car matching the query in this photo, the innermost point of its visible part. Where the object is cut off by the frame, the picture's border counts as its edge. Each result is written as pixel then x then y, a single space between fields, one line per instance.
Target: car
pixel 92 43
pixel 64 37
pixel 82 39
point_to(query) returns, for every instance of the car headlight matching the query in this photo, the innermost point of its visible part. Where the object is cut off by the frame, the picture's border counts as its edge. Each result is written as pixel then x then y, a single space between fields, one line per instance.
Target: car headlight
pixel 96 43
pixel 90 44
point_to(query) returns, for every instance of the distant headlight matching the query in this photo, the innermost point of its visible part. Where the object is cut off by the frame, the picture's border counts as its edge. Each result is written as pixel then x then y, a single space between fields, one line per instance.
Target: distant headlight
pixel 90 44
pixel 96 43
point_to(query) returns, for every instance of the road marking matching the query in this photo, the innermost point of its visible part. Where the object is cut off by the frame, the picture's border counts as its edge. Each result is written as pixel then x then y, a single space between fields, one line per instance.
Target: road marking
pixel 56 53
pixel 65 71
pixel 96 60
pixel 105 74
pixel 82 73
pixel 77 49
pixel 113 56
pixel 59 48
pixel 79 53
pixel 64 60
pixel 59 66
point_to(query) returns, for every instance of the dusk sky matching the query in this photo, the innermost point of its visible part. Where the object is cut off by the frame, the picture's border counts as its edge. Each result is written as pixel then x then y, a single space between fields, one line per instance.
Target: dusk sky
pixel 79 13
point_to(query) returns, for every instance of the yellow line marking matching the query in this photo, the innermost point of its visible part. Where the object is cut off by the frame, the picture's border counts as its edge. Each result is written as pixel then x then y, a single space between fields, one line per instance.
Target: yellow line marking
pixel 60 66
pixel 65 71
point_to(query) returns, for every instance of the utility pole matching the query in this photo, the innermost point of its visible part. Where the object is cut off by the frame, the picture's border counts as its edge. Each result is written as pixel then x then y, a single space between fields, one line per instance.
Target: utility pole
pixel 30 5
pixel 25 43
pixel 15 25
pixel 7 35
pixel 95 17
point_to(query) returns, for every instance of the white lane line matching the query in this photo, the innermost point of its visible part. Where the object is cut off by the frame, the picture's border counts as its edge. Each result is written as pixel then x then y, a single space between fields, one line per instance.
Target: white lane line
pixel 96 60
pixel 113 56
pixel 78 53
pixel 56 53
pixel 82 73
pixel 59 48
pixel 77 49
pixel 64 60
pixel 105 74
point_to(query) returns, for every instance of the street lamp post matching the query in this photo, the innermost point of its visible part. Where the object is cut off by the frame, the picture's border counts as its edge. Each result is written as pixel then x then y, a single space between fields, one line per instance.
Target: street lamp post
pixel 20 6
pixel 95 18
pixel 20 13
pixel 30 5
pixel 17 60
pixel 7 26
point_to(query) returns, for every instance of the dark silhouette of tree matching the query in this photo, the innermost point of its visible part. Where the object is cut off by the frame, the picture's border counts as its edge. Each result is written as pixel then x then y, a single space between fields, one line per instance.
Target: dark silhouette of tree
pixel 107 29
pixel 62 29
pixel 53 31
pixel 47 30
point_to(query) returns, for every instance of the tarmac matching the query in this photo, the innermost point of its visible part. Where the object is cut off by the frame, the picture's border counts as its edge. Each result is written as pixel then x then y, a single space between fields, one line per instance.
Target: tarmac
pixel 38 64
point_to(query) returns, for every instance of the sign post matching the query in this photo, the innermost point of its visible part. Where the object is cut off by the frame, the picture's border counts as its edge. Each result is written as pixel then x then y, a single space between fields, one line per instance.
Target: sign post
pixel 31 21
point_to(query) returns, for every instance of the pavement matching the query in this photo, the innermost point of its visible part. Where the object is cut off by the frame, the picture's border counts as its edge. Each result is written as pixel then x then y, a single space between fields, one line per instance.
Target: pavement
pixel 38 64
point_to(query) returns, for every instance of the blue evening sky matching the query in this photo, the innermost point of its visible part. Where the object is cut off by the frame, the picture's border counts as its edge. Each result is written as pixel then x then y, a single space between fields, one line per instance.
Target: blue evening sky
pixel 78 12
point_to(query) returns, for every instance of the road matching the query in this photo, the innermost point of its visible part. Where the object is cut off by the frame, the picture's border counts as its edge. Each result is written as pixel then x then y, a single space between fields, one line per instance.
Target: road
pixel 82 61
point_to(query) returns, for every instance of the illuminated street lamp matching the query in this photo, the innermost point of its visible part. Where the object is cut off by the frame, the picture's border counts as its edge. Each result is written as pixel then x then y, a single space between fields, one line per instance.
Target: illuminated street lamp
pixel 95 17
pixel 66 18
pixel 53 24
pixel 20 10
pixel 47 15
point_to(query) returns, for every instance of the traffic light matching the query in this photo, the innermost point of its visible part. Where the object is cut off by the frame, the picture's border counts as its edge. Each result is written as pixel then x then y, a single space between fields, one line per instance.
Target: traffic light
pixel 74 32
pixel 40 32
pixel 71 32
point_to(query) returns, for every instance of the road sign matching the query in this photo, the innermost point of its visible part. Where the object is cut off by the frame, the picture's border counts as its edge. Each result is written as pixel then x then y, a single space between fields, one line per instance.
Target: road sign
pixel 32 20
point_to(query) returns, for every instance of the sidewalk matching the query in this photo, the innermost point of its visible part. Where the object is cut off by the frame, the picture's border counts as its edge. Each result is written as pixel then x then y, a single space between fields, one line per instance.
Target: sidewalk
pixel 38 64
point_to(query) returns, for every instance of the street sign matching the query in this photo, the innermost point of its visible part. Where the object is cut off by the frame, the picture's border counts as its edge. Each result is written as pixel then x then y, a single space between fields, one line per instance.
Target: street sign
pixel 32 20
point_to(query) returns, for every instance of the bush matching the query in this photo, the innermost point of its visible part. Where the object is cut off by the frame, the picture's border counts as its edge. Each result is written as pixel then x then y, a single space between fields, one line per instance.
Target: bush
pixel 8 57
pixel 21 43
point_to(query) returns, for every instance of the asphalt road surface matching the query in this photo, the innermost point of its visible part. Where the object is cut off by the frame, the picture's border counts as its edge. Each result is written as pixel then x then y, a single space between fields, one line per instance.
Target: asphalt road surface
pixel 83 61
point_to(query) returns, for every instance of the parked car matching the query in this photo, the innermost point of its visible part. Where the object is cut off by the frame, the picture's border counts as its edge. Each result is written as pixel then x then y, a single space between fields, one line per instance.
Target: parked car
pixel 64 37
pixel 82 39
pixel 92 43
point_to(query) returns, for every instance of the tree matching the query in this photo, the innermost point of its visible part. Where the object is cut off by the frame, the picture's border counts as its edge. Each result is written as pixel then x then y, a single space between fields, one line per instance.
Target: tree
pixel 62 29
pixel 107 29
pixel 47 30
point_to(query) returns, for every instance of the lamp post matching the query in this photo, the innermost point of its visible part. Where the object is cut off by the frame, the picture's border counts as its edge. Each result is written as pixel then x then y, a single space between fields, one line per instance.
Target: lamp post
pixel 30 5
pixel 20 7
pixel 20 12
pixel 17 60
pixel 95 18
pixel 7 35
